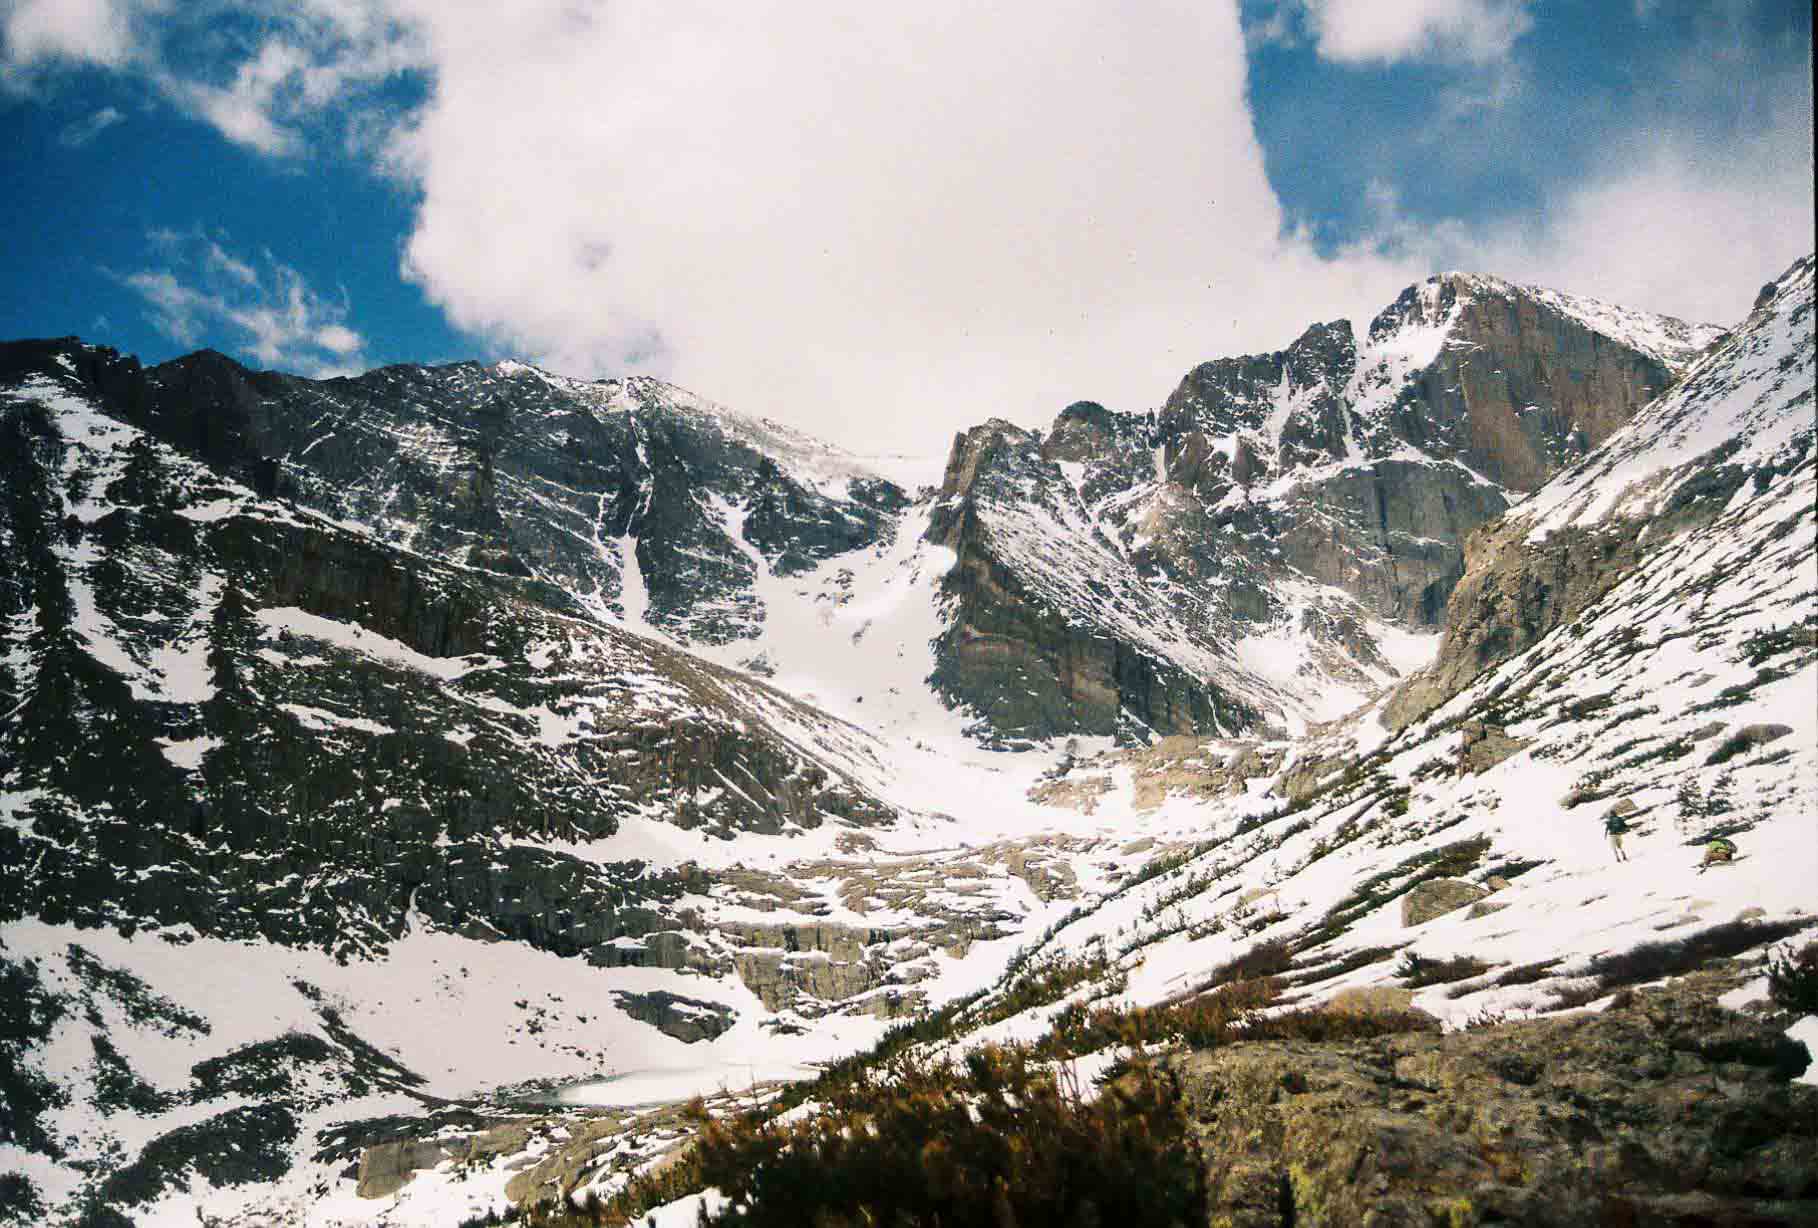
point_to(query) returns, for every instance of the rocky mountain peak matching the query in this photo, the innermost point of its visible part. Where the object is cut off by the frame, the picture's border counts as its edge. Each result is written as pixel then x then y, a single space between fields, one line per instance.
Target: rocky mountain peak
pixel 1297 498
pixel 1084 431
pixel 1738 422
pixel 379 753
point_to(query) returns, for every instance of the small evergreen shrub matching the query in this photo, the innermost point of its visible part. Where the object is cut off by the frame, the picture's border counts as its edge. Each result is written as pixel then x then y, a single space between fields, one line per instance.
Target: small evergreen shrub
pixel 1311 973
pixel 1262 960
pixel 1793 979
pixel 1526 974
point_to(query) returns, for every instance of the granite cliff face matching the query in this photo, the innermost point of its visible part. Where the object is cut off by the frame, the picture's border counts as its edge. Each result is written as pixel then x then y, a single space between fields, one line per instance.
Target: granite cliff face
pixel 1258 547
pixel 1048 636
pixel 1740 421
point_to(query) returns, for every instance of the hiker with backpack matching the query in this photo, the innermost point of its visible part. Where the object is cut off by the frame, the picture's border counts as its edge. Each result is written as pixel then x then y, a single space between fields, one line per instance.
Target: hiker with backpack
pixel 1617 827
pixel 1716 853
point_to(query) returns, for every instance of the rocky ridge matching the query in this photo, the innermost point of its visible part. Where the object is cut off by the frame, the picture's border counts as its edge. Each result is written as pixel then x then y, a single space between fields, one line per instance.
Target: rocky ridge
pixel 1676 690
pixel 1275 530
pixel 1663 1109
pixel 1739 420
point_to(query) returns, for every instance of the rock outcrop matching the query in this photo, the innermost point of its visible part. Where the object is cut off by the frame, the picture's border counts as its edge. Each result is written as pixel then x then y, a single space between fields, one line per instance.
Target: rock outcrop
pixel 225 711
pixel 1042 643
pixel 514 470
pixel 689 1020
pixel 1665 1110
pixel 1483 746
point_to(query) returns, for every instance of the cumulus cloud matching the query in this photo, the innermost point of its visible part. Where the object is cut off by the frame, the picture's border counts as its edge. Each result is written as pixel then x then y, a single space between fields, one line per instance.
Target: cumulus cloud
pixel 276 318
pixel 309 58
pixel 878 224
pixel 882 225
pixel 1372 32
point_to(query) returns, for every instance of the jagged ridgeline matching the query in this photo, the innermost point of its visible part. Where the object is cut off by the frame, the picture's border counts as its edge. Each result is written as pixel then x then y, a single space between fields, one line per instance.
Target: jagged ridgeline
pixel 325 644
pixel 377 752
pixel 227 708
pixel 1271 545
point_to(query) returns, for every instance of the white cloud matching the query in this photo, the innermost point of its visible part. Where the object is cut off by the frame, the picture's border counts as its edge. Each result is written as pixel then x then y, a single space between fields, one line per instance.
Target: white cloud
pixel 1679 219
pixel 268 309
pixel 881 225
pixel 313 56
pixel 79 31
pixel 1387 31
pixel 82 131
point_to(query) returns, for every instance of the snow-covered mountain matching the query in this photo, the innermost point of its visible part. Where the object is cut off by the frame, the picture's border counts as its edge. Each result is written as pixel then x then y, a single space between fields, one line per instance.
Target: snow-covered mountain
pixel 1276 542
pixel 352 791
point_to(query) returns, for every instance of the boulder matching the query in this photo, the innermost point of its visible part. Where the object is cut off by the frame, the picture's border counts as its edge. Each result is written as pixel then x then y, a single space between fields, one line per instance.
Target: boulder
pixel 1436 897
pixel 388 1167
pixel 1746 739
pixel 1485 746
pixel 687 1019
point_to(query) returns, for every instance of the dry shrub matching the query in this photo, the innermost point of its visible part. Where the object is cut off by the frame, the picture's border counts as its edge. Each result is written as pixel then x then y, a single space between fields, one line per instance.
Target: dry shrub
pixel 1418 970
pixel 1265 959
pixel 1200 1022
pixel 1526 974
pixel 1370 1000
pixel 1324 1025
pixel 1310 973
pixel 994 1143
pixel 1652 961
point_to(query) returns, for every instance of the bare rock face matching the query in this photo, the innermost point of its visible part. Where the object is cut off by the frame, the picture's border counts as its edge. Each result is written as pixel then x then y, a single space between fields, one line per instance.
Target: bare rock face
pixel 687 1019
pixel 1045 640
pixel 1484 746
pixel 388 1167
pixel 1104 569
pixel 1532 381
pixel 1513 593
pixel 401 724
pixel 824 963
pixel 1596 523
pixel 1669 1110
pixel 524 473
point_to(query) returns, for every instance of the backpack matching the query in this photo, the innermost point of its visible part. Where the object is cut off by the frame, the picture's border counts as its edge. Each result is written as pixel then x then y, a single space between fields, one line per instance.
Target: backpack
pixel 1615 825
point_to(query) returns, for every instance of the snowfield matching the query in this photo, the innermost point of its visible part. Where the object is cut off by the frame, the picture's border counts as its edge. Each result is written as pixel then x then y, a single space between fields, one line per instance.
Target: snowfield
pixel 1685 693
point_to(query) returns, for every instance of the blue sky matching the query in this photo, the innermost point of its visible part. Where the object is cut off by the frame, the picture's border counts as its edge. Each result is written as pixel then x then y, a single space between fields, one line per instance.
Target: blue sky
pixel 876 226
pixel 1474 141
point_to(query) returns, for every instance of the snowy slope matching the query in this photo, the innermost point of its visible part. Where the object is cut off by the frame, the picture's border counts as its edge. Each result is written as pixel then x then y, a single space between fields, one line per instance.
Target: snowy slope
pixel 1746 407
pixel 930 864
pixel 1685 691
